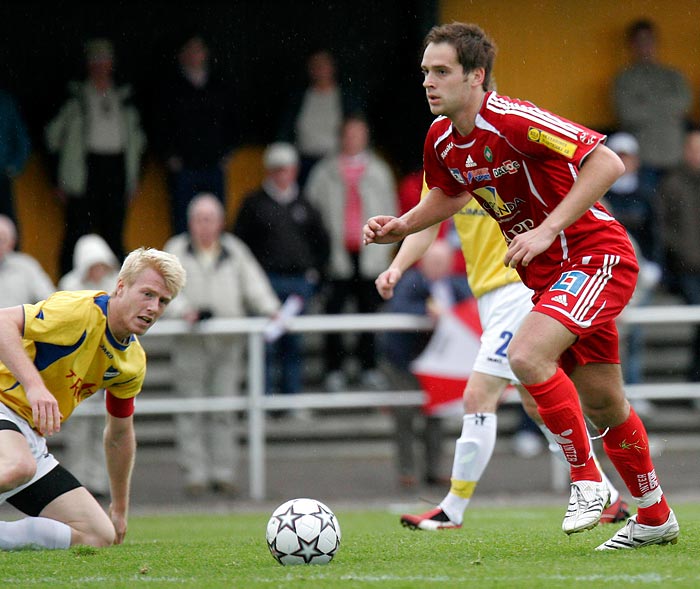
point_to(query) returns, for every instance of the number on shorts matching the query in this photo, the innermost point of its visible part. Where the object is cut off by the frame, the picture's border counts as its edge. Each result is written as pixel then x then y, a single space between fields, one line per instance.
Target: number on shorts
pixel 506 336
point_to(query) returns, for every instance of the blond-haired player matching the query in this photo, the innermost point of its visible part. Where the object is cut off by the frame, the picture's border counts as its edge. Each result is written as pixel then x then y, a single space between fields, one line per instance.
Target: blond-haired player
pixel 53 355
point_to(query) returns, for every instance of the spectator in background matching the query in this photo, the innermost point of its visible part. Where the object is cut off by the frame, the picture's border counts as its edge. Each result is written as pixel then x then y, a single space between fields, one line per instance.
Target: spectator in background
pixel 627 197
pixel 15 148
pixel 315 113
pixel 98 140
pixel 652 102
pixel 428 288
pixel 346 188
pixel 95 267
pixel 223 280
pixel 194 129
pixel 22 279
pixel 680 202
pixel 288 238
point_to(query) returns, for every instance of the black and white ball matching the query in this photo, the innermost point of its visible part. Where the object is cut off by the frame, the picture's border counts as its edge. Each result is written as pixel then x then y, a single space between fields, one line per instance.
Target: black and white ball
pixel 303 531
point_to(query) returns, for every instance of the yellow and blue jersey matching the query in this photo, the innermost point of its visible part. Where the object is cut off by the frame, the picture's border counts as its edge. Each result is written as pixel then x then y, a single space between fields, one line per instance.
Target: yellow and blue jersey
pixel 68 339
pixel 483 247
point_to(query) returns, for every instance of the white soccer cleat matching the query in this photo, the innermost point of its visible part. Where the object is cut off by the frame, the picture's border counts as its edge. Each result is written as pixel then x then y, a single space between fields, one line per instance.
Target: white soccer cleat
pixel 586 504
pixel 636 535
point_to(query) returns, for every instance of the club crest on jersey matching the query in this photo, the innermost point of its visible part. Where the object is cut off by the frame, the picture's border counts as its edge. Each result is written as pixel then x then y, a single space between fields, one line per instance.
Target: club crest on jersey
pixel 571 282
pixel 551 141
pixel 488 154
pixel 457 175
pixel 478 175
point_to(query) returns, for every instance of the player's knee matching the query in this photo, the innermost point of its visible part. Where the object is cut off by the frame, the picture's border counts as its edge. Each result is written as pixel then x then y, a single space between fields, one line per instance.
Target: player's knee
pixel 523 365
pixel 99 536
pixel 15 473
pixel 607 414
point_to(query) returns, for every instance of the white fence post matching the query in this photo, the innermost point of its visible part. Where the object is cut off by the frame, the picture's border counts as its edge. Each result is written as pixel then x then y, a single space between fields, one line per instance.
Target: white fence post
pixel 256 414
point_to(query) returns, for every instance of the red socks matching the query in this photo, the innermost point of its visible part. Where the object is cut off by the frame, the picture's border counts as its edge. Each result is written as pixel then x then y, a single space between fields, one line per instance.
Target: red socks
pixel 560 409
pixel 627 446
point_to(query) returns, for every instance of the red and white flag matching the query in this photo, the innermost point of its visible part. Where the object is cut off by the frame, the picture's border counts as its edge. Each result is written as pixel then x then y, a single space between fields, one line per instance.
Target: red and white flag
pixel 444 366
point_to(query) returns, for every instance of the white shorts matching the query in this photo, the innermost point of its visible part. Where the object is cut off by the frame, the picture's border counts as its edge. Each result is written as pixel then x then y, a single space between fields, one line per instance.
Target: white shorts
pixel 501 312
pixel 45 462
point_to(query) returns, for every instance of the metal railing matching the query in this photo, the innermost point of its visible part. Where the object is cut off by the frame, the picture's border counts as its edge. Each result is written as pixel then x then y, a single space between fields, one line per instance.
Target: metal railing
pixel 256 404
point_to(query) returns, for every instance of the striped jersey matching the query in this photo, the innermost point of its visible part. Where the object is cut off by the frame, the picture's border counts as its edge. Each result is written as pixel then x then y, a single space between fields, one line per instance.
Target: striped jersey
pixel 519 162
pixel 69 341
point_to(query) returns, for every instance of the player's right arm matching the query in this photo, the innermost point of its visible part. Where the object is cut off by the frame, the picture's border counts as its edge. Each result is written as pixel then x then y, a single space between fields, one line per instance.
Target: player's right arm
pixel 45 412
pixel 433 208
pixel 411 250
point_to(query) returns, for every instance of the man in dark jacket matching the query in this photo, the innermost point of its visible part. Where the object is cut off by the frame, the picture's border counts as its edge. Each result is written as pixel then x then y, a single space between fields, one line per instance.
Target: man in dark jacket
pixel 287 236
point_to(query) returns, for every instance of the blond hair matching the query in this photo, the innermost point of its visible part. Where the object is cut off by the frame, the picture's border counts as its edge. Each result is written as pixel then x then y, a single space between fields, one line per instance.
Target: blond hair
pixel 166 264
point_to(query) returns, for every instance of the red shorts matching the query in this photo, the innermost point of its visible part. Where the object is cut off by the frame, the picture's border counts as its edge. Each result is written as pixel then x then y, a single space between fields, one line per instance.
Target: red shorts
pixel 586 298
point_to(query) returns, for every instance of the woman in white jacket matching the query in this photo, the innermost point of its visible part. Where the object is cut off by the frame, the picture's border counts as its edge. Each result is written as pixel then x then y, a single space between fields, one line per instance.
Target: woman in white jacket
pixel 95 267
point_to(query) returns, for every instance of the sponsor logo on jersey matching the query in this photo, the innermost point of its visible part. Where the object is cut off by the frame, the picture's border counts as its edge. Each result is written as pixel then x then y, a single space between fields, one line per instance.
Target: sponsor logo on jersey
pixel 493 201
pixel 457 175
pixel 507 167
pixel 551 141
pixel 478 175
pixel 447 150
pixel 571 282
pixel 470 163
pixel 517 229
pixel 561 299
pixel 106 352
pixel 586 138
pixel 488 154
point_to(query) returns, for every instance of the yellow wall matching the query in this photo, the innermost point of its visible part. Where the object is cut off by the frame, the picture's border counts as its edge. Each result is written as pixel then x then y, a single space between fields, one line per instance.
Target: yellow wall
pixel 562 54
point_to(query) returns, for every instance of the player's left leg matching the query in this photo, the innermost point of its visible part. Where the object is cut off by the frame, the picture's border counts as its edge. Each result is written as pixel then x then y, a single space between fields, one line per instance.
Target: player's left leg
pixel 89 523
pixel 626 443
pixel 61 513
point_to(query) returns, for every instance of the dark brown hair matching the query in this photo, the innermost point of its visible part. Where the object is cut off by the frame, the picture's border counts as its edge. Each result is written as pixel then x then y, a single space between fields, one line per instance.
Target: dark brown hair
pixel 475 49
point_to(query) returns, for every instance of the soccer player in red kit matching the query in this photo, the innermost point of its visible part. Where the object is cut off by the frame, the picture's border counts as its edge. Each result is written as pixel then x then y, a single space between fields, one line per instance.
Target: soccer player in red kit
pixel 540 177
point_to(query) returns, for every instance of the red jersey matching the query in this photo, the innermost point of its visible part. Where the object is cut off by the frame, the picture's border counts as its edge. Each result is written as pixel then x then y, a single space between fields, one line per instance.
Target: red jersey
pixel 519 162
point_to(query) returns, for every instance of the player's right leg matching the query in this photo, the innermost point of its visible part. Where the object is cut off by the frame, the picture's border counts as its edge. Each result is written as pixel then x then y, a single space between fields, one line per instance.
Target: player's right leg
pixel 534 353
pixel 17 465
pixel 618 510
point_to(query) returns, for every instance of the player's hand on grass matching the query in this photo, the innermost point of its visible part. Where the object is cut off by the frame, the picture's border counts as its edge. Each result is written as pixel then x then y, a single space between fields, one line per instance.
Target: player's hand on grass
pixel 119 522
pixel 383 229
pixel 45 413
pixel 386 282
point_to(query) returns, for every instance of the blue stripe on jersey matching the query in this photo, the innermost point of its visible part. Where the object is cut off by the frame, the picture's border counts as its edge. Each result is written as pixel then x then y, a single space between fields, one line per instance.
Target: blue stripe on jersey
pixel 47 354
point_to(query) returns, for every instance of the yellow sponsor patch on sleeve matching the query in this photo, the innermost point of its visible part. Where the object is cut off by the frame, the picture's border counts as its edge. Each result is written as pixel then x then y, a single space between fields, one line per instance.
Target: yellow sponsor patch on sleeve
pixel 551 141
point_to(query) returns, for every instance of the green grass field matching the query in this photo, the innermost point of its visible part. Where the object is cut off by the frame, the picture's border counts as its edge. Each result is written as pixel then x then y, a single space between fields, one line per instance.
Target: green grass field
pixel 502 547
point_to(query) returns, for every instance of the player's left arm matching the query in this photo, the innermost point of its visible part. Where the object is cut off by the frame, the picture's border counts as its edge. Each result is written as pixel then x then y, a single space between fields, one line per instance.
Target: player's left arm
pixel 120 451
pixel 598 172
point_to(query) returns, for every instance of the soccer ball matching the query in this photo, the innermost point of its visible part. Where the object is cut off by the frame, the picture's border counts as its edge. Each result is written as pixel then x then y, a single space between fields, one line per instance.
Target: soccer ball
pixel 303 531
